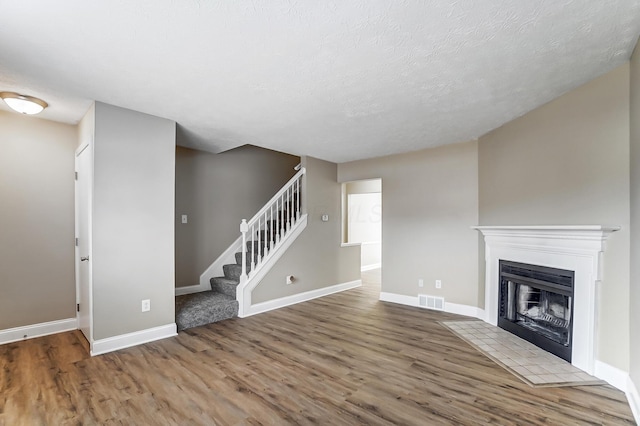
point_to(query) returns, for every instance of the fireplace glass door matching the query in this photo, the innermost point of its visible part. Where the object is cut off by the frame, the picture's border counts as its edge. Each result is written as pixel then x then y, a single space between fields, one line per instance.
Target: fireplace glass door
pixel 536 304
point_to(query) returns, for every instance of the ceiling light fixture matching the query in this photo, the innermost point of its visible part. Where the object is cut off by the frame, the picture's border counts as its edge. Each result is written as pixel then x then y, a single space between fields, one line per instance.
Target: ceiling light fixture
pixel 22 103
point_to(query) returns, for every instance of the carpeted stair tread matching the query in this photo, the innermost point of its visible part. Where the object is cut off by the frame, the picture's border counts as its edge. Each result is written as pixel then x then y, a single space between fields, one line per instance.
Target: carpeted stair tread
pixel 193 310
pixel 224 285
pixel 233 271
pixel 225 280
pixel 239 259
pixel 267 235
pixel 252 247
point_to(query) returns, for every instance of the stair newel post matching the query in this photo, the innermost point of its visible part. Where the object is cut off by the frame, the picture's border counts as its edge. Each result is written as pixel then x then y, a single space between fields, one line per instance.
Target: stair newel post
pixel 244 227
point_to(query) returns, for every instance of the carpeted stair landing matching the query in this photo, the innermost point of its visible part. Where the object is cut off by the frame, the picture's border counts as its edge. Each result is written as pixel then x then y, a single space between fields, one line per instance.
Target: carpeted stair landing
pixel 217 304
pixel 193 310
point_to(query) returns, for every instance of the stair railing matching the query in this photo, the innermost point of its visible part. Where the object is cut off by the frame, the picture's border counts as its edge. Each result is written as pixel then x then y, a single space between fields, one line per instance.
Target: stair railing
pixel 270 225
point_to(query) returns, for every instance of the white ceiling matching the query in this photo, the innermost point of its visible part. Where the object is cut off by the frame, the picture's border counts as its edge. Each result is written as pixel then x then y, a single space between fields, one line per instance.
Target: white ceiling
pixel 337 80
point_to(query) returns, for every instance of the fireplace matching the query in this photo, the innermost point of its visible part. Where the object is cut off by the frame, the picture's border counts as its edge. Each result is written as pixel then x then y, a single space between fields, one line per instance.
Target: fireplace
pixel 536 304
pixel 570 248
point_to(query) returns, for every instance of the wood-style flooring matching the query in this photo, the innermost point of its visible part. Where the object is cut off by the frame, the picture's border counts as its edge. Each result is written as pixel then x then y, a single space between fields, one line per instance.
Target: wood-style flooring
pixel 344 359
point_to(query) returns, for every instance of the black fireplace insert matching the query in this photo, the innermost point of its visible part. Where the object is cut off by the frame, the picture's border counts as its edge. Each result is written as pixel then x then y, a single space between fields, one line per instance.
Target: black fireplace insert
pixel 536 304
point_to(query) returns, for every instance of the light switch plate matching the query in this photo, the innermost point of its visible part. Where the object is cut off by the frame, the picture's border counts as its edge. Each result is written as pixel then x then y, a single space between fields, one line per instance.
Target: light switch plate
pixel 184 218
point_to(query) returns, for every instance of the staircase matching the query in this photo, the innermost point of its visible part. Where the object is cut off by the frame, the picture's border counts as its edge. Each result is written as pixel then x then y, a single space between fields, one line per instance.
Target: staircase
pixel 266 232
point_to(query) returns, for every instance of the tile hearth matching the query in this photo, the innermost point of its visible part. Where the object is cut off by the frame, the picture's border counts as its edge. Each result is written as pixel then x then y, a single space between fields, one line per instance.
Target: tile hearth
pixel 532 365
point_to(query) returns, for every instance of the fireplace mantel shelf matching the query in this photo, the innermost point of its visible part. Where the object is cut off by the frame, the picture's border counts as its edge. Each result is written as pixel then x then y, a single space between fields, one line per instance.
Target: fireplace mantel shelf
pixel 600 228
pixel 566 234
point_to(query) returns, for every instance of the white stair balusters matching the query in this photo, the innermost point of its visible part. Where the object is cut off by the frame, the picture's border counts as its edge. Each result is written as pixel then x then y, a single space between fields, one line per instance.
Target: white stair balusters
pixel 269 227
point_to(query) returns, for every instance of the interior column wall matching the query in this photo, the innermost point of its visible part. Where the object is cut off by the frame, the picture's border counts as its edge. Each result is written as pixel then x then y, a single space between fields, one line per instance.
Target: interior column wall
pixel 133 221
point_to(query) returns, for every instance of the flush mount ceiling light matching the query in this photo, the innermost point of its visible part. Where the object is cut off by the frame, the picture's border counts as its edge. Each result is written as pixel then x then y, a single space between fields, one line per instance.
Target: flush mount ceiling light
pixel 22 103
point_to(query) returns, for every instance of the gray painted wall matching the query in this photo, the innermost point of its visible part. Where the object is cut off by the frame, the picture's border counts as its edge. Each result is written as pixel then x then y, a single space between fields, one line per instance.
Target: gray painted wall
pixel 316 258
pixel 216 191
pixel 37 280
pixel 567 163
pixel 634 293
pixel 429 203
pixel 133 221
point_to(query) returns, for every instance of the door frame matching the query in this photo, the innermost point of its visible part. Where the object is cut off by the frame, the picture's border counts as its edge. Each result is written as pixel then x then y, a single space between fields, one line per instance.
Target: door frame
pixel 80 150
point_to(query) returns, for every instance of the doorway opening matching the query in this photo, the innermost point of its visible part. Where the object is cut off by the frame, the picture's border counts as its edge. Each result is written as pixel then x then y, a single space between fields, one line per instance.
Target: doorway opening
pixel 362 220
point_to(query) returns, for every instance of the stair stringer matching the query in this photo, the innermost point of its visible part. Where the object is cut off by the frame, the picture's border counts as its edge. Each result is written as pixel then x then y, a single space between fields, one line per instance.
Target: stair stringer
pixel 246 286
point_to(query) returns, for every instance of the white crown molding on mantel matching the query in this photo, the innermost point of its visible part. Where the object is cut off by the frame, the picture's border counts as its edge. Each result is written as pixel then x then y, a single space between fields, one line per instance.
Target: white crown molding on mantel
pixel 570 247
pixel 598 232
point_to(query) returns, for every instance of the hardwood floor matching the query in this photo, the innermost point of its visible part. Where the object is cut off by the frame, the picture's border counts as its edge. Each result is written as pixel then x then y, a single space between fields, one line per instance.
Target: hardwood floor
pixel 343 359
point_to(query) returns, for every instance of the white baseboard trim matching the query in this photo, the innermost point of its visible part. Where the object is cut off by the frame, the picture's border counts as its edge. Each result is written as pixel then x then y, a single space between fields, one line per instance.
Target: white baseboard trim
pixel 466 310
pixel 452 308
pixel 612 375
pixel 270 305
pixel 399 298
pixel 37 330
pixel 192 289
pixel 370 267
pixel 122 341
pixel 634 399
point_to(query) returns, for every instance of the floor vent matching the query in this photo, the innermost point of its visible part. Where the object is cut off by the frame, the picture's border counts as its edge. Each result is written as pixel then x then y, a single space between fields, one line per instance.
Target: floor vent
pixel 431 302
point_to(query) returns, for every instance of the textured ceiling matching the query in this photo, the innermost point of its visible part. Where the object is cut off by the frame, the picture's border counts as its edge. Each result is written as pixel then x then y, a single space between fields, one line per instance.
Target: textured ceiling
pixel 337 80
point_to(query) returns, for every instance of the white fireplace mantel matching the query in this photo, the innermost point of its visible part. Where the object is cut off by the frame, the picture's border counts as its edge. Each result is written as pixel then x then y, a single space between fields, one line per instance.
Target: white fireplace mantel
pixel 574 248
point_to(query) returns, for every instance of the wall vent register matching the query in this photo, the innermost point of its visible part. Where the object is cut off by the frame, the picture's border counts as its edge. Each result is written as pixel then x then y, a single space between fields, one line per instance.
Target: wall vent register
pixel 431 302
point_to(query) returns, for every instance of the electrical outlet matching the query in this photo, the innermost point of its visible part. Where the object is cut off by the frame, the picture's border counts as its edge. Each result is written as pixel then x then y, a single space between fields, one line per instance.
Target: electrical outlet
pixel 184 218
pixel 438 283
pixel 146 305
pixel 420 282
